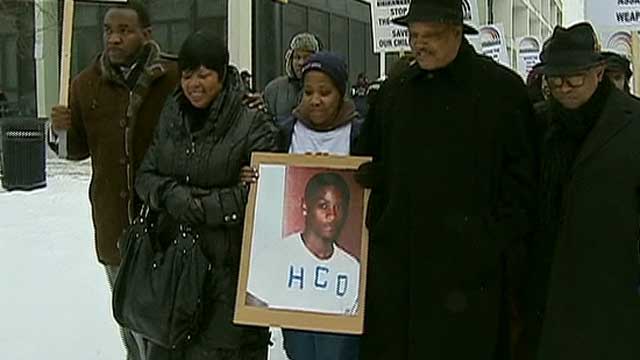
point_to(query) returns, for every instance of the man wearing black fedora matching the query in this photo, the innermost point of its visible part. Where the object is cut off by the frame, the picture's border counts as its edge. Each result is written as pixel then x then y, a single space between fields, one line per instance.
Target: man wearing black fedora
pixel 618 70
pixel 584 300
pixel 452 193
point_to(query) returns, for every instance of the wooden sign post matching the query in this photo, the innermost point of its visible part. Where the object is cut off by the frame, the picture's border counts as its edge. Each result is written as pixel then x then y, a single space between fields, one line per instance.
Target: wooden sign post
pixel 635 60
pixel 65 63
pixel 65 69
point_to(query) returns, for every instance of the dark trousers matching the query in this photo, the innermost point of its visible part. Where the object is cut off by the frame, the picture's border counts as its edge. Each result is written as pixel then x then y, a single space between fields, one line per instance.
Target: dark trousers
pixel 306 345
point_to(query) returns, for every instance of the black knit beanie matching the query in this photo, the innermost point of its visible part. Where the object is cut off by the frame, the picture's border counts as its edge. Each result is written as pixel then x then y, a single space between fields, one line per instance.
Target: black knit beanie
pixel 203 48
pixel 332 65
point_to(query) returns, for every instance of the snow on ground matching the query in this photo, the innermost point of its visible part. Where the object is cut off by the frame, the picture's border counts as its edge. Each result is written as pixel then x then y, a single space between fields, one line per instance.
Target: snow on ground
pixel 54 298
pixel 55 301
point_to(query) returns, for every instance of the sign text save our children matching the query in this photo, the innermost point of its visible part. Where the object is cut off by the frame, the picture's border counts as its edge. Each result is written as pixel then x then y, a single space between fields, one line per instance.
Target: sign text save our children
pixel 388 37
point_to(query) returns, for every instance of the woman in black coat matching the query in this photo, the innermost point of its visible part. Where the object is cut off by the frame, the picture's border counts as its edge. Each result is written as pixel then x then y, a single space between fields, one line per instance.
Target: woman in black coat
pixel 323 122
pixel 204 137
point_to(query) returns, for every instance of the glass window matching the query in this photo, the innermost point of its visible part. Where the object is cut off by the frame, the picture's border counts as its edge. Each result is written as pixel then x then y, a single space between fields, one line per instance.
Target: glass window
pixel 11 63
pixel 357 48
pixel 208 8
pixel 179 33
pixel 3 60
pixel 330 20
pixel 88 15
pixel 339 42
pixel 373 60
pixel 390 60
pixel 172 21
pixel 161 35
pixel 294 20
pixel 218 25
pixel 87 35
pixel 319 25
pixel 162 10
pixel 170 35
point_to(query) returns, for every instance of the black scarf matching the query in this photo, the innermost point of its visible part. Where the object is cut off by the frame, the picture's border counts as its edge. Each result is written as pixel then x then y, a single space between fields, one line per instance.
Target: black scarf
pixel 561 144
pixel 137 67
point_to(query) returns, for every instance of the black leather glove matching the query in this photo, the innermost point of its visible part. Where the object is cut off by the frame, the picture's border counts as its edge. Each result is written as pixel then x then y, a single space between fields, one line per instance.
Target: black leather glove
pixel 368 175
pixel 183 206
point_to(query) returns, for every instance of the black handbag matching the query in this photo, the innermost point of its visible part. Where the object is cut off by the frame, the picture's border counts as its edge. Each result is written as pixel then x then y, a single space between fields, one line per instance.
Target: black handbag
pixel 161 282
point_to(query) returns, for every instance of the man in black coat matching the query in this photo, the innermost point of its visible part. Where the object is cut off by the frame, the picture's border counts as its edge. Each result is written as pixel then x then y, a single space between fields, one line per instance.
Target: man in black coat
pixel 452 192
pixel 585 291
pixel 618 70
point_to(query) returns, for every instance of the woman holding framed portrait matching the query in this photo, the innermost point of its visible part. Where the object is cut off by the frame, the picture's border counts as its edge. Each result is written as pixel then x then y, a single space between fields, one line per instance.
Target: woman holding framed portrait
pixel 324 122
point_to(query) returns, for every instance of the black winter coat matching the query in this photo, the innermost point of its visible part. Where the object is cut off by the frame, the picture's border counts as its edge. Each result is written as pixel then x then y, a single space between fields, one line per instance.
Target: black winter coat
pixel 208 161
pixel 454 191
pixel 593 298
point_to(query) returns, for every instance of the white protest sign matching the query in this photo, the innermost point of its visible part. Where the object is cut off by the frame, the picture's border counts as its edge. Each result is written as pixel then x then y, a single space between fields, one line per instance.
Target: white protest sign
pixel 613 13
pixel 528 54
pixel 471 17
pixel 388 37
pixel 616 40
pixel 494 44
pixel 620 41
pixel 470 12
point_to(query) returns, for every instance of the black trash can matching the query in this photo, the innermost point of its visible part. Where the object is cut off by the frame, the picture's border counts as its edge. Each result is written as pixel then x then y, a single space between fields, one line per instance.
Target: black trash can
pixel 23 153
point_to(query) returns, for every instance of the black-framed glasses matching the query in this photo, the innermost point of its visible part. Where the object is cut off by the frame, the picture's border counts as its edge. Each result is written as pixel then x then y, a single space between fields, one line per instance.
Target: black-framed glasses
pixel 575 80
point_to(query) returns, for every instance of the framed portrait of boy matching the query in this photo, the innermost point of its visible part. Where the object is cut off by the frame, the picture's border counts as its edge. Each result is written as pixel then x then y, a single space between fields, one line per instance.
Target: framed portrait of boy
pixel 304 252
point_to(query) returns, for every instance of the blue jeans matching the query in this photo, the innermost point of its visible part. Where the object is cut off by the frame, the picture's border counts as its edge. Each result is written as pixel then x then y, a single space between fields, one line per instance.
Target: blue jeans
pixel 306 345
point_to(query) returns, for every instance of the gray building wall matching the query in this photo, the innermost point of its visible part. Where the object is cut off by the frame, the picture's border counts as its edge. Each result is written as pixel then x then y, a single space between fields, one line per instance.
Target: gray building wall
pixel 343 26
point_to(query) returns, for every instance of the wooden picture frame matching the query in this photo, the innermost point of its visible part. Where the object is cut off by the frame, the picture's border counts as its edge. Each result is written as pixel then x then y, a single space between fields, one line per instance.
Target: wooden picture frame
pixel 275 253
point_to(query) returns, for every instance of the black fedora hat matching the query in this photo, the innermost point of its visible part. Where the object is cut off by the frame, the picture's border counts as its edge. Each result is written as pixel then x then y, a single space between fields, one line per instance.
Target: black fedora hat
pixel 617 62
pixel 443 11
pixel 570 50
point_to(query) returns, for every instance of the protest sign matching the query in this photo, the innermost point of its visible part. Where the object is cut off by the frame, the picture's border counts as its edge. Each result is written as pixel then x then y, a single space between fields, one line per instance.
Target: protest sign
pixel 494 44
pixel 613 13
pixel 528 54
pixel 388 37
pixel 616 40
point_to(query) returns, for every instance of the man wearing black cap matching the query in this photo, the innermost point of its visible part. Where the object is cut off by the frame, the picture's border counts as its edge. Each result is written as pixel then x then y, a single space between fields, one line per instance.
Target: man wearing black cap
pixel 618 70
pixel 452 193
pixel 584 287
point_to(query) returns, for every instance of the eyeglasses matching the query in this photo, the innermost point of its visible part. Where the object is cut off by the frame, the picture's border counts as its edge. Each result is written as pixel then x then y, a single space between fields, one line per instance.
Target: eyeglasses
pixel 573 81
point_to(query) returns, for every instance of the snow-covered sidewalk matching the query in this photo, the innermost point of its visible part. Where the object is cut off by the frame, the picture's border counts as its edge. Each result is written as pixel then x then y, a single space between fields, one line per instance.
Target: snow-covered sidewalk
pixel 54 301
pixel 54 298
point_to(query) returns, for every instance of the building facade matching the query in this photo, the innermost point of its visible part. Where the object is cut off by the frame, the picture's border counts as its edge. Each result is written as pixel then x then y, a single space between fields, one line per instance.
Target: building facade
pixel 521 18
pixel 257 32
pixel 257 45
pixel 17 60
pixel 574 11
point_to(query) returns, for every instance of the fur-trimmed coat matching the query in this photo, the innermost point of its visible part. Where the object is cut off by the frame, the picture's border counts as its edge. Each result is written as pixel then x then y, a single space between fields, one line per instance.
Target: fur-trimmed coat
pixel 114 126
